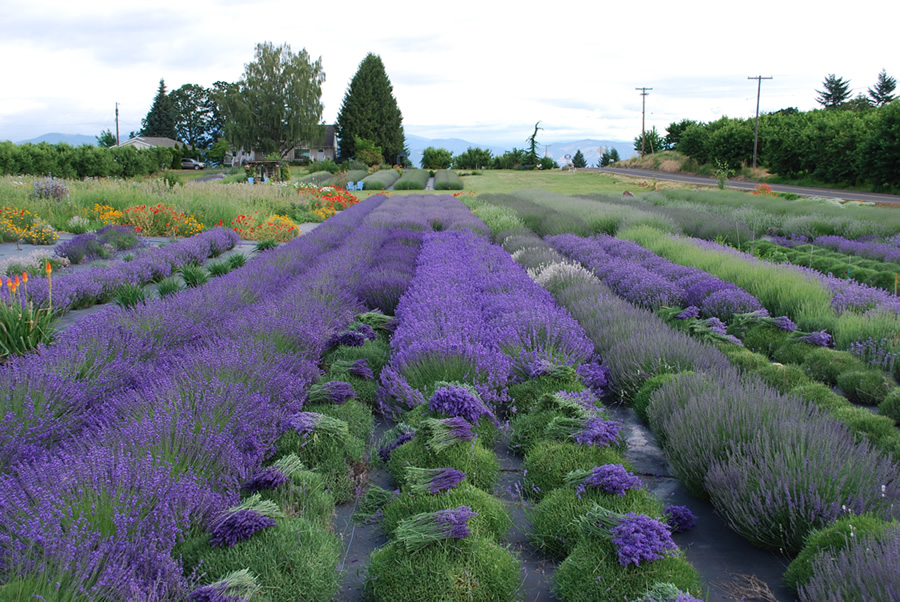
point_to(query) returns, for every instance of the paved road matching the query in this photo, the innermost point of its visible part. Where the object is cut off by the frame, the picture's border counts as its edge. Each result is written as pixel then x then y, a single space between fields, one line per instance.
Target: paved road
pixel 748 185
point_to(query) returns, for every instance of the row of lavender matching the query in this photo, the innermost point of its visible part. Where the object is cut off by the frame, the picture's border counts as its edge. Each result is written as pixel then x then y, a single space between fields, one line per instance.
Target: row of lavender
pixel 775 468
pixel 98 284
pixel 476 339
pixel 130 439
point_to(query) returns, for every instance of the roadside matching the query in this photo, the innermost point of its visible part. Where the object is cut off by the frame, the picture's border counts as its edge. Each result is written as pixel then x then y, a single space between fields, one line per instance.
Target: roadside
pixel 847 195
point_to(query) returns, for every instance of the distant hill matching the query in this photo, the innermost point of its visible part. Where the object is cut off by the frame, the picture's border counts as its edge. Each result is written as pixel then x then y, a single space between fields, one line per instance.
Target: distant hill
pixel 590 148
pixel 53 138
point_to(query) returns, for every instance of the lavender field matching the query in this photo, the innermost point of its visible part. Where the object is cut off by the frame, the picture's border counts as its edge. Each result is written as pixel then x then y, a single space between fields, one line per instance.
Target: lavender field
pixel 471 382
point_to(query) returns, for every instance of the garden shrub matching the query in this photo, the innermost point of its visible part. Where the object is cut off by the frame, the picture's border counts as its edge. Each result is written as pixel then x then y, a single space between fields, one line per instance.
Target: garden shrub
pixel 819 395
pixel 445 179
pixel 380 180
pixel 762 338
pixel 866 387
pixel 480 464
pixel 493 520
pixel 826 365
pixel 830 540
pixel 879 430
pixel 359 418
pixel 295 560
pixel 792 352
pixel 862 274
pixel 556 531
pixel 331 455
pixel 890 407
pixel 528 429
pixel 412 179
pixel 828 265
pixel 642 397
pixel 592 572
pixel 472 569
pixel 746 360
pixel 548 463
pixel 525 395
pixel 306 495
pixel 882 279
pixel 194 275
pixel 783 377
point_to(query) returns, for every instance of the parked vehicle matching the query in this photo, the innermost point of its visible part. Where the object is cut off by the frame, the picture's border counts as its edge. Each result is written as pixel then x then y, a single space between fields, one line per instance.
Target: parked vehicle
pixel 188 163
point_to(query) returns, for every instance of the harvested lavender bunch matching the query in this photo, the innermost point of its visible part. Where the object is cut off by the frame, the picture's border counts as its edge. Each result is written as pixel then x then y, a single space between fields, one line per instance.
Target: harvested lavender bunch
pixel 242 521
pixel 432 480
pixel 611 478
pixel 587 430
pixel 335 391
pixel 235 587
pixel 458 399
pixel 424 529
pixel 637 537
pixel 680 518
pixel 446 432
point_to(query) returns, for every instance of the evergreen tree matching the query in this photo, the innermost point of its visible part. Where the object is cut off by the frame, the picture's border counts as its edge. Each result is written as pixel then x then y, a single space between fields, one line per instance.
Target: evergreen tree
pixel 578 160
pixel 106 139
pixel 532 146
pixel 837 92
pixel 370 112
pixel 883 93
pixel 160 120
pixel 613 155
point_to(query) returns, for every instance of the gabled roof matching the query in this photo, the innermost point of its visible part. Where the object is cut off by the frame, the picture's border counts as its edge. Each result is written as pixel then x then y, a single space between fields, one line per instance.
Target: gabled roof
pixel 152 141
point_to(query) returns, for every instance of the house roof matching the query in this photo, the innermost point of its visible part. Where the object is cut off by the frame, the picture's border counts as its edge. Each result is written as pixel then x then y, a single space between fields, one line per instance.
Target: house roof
pixel 152 141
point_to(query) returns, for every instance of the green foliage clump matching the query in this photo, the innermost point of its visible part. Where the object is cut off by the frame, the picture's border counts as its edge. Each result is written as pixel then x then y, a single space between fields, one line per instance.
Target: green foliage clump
pixel 641 400
pixel 746 360
pixel 380 180
pixel 792 352
pixel 444 179
pixel 819 395
pixel 359 418
pixel 474 569
pixel 412 179
pixel 436 158
pixel 890 407
pixel 493 520
pixel 830 540
pixel 867 387
pixel 480 464
pixel 783 377
pixel 525 395
pixel 879 430
pixel 592 572
pixel 304 495
pixel 556 531
pixel 295 560
pixel 194 275
pixel 332 455
pixel 826 365
pixel 549 462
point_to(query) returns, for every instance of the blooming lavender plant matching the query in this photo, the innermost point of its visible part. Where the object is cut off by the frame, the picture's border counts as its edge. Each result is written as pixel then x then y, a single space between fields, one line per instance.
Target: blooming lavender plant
pixel 595 376
pixel 427 528
pixel 432 480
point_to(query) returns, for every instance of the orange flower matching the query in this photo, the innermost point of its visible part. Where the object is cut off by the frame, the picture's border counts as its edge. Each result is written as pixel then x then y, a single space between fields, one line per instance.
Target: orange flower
pixel 49 268
pixel 9 282
pixel 25 277
pixel 18 280
pixel 12 287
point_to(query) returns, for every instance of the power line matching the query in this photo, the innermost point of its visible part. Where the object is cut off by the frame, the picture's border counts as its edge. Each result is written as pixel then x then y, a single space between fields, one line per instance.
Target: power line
pixel 758 79
pixel 644 93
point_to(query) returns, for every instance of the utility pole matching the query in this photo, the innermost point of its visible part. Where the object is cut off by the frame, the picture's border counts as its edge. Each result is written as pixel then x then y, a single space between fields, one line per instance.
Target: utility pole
pixel 644 93
pixel 759 79
pixel 117 124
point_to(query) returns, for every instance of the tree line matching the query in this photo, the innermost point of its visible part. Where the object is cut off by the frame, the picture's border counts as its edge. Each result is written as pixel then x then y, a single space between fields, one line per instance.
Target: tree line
pixel 849 141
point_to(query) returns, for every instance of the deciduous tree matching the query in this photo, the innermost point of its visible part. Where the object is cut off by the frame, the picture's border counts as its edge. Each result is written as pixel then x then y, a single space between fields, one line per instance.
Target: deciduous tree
pixel 197 118
pixel 436 158
pixel 369 111
pixel 277 105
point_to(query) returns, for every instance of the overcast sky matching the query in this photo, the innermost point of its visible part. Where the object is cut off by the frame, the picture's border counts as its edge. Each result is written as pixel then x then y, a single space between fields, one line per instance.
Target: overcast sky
pixel 484 71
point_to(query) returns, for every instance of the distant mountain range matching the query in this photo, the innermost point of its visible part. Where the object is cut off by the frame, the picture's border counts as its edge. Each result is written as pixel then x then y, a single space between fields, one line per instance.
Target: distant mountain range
pixel 590 148
pixel 54 138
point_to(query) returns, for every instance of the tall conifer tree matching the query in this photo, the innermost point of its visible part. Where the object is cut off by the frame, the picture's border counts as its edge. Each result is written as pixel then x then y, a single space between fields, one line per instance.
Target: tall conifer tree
pixel 370 111
pixel 160 120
